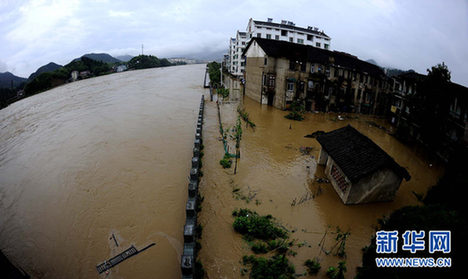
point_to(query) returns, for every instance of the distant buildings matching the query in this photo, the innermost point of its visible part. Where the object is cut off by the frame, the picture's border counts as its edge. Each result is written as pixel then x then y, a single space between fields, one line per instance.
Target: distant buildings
pixel 280 72
pixel 359 170
pixel 284 31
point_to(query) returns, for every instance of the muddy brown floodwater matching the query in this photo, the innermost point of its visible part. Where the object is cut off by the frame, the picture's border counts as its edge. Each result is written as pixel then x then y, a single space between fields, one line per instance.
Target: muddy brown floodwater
pixel 272 172
pixel 102 156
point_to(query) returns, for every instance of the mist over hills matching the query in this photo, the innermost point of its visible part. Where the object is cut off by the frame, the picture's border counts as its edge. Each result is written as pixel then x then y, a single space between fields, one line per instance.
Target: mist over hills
pixel 124 58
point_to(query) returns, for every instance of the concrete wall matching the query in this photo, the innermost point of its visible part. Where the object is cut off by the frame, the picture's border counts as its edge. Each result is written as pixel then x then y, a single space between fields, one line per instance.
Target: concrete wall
pixel 377 187
pixel 380 186
pixel 323 157
pixel 253 83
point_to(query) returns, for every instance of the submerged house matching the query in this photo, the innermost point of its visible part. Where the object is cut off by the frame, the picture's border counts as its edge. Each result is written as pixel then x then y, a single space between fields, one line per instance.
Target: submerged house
pixel 359 170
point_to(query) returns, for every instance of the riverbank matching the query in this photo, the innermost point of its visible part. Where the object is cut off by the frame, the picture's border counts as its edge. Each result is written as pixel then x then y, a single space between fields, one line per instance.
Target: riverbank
pixel 273 178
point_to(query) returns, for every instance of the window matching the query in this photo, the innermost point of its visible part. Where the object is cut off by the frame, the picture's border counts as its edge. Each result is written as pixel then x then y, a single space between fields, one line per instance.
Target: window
pixel 259 27
pixel 276 37
pixel 291 39
pixel 299 33
pixel 259 35
pixel 317 44
pixel 325 46
pixel 265 62
pixel 268 28
pixel 268 36
pixel 312 68
pixel 284 32
pixel 251 36
pixel 300 41
pixel 243 43
pixel 310 37
pixel 290 86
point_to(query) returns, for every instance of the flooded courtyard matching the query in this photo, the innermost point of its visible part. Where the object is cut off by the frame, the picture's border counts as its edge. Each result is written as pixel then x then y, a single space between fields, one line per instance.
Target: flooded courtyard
pixel 110 156
pixel 273 177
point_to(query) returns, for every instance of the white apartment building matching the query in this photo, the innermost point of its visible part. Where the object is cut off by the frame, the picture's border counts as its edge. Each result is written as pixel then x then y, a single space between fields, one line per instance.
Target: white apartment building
pixel 284 31
pixel 236 47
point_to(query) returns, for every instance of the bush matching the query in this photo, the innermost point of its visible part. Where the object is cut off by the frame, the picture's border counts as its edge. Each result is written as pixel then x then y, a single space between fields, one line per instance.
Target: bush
pixel 252 225
pixel 337 272
pixel 297 111
pixel 259 248
pixel 226 162
pixel 313 266
pixel 276 267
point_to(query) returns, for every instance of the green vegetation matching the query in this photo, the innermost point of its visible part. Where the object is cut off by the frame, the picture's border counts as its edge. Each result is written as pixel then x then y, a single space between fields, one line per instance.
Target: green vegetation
pixel 226 162
pixel 277 266
pixel 297 111
pixel 147 61
pixel 337 272
pixel 60 76
pixel 313 266
pixel 214 73
pixel 224 92
pixel 264 235
pixel 245 116
pixel 251 225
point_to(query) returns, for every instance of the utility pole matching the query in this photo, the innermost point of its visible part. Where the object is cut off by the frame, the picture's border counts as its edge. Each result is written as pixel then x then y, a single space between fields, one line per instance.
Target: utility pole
pixel 141 49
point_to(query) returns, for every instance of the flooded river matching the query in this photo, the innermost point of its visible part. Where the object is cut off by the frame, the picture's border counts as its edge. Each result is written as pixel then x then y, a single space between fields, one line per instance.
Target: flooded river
pixel 111 156
pixel 273 176
pixel 102 156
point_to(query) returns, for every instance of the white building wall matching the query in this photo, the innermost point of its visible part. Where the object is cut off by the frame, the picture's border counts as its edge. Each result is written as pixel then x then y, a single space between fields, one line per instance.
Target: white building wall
pixel 237 66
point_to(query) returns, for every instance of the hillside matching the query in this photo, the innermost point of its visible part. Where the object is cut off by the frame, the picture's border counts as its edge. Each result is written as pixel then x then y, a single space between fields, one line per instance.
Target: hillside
pixel 102 57
pixel 45 69
pixel 7 78
pixel 147 61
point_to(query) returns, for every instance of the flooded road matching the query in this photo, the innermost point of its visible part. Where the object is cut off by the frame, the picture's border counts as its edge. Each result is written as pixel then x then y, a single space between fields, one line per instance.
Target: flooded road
pixel 102 156
pixel 273 178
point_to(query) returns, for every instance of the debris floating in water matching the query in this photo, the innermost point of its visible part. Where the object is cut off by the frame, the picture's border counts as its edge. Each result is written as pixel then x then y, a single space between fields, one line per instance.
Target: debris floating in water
pixel 132 251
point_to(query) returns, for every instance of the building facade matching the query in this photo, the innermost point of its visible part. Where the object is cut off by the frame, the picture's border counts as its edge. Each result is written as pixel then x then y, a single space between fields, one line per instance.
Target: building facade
pixel 358 169
pixel 284 31
pixel 280 72
pixel 236 47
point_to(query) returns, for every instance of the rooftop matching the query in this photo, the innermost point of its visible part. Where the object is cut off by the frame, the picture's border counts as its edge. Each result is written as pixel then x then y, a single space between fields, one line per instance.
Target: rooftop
pixel 293 27
pixel 299 52
pixel 357 155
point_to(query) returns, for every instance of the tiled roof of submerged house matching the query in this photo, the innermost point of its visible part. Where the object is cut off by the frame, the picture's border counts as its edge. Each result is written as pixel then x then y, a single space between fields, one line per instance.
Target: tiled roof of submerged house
pixel 299 52
pixel 357 155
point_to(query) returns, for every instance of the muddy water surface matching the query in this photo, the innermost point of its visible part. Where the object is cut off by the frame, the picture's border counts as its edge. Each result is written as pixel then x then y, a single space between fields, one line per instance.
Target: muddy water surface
pixel 273 175
pixel 102 156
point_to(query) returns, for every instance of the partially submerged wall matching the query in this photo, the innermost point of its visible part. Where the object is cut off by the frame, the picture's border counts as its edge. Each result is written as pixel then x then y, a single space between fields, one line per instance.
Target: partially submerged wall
pixel 189 255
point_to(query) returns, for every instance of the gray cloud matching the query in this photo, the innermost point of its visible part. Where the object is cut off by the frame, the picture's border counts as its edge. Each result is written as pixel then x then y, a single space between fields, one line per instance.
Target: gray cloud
pixel 404 34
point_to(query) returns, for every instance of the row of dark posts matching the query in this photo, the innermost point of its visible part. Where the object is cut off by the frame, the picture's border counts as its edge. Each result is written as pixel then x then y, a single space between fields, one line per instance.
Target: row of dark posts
pixel 190 229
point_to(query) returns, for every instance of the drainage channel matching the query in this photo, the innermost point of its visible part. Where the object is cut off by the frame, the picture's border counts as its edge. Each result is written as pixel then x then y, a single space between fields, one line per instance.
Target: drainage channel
pixel 191 228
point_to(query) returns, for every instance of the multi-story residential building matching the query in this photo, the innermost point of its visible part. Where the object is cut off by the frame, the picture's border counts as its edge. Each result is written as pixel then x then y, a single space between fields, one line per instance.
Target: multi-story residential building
pixel 284 31
pixel 288 31
pixel 408 88
pixel 279 72
pixel 236 47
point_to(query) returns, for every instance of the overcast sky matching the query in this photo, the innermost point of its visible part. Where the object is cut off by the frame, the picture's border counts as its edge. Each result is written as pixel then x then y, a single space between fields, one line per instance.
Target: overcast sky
pixel 405 34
